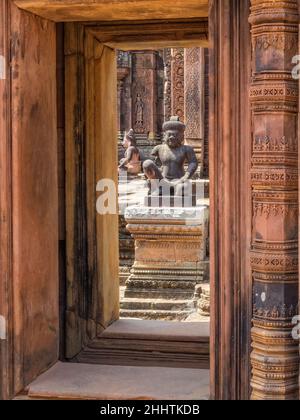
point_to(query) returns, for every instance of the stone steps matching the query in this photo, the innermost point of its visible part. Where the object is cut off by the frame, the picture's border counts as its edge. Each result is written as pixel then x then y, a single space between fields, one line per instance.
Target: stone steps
pixel 150 343
pixel 166 315
pixel 157 305
pixel 173 294
pixel 75 381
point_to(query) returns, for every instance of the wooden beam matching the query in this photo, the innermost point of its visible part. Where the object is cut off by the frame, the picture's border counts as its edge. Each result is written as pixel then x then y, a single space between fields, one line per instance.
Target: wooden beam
pixel 107 10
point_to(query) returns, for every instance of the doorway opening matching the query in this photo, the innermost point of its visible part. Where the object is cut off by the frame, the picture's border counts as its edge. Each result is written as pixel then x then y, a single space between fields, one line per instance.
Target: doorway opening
pixel 156 283
pixel 92 301
pixel 97 58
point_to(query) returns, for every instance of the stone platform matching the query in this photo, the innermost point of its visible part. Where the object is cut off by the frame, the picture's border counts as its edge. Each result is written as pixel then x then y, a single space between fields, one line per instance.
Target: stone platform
pixel 132 192
pixel 76 381
pixel 170 261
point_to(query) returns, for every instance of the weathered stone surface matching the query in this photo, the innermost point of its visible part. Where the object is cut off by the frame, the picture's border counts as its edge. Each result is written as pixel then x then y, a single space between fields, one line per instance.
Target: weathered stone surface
pixel 170 254
pixel 91 382
pixel 141 97
pixel 204 300
pixel 177 80
pixel 132 342
pixel 274 177
pixel 194 100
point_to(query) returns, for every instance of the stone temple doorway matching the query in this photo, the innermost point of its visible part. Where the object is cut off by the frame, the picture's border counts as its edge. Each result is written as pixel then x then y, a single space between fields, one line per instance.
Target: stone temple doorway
pixel 93 239
pixel 92 277
pixel 93 305
pixel 153 86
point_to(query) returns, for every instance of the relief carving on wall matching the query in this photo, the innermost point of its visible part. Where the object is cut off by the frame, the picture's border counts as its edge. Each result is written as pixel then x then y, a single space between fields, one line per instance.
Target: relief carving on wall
pixel 178 83
pixel 274 179
pixel 139 115
pixel 168 85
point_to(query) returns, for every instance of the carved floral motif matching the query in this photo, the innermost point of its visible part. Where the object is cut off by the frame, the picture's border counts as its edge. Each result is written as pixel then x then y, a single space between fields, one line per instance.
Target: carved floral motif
pixel 178 83
pixel 277 312
pixel 274 179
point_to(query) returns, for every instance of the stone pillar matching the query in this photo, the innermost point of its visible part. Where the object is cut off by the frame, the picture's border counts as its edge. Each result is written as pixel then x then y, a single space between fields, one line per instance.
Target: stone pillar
pixel 274 177
pixel 6 334
pixel 168 84
pixel 122 74
pixel 144 95
pixel 123 97
pixel 205 172
pixel 299 154
pixel 177 82
pixel 194 67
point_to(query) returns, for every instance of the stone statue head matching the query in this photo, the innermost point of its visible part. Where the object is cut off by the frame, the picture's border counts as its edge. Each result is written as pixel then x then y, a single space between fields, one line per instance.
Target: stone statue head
pixel 174 132
pixel 129 139
pixel 151 170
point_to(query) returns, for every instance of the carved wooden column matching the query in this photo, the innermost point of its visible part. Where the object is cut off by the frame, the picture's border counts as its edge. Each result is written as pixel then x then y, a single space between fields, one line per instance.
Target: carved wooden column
pixel 177 83
pixel 194 67
pixel 274 175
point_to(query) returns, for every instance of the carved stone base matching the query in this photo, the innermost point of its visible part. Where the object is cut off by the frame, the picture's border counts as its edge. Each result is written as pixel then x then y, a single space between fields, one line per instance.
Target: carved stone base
pixel 126 249
pixel 169 262
pixel 204 300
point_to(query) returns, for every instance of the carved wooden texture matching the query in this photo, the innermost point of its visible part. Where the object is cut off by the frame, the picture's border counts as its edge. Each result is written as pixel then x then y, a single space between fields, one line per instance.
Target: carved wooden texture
pixel 101 10
pixel 35 196
pixel 274 179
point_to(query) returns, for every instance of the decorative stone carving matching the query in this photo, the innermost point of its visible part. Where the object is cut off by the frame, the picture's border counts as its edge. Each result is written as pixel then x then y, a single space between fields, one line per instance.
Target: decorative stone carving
pixel 274 177
pixel 140 96
pixel 126 254
pixel 177 71
pixel 139 115
pixel 204 301
pixel 132 158
pixel 194 97
pixel 144 93
pixel 168 84
pixel 194 69
pixel 171 155
pixel 170 242
pixel 170 261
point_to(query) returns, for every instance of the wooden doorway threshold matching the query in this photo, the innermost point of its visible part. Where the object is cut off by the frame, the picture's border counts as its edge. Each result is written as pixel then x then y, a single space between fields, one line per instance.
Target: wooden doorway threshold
pixel 130 342
pixel 76 381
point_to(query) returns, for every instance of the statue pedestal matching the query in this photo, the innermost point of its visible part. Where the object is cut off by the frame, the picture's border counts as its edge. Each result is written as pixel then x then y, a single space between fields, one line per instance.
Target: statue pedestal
pixel 170 261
